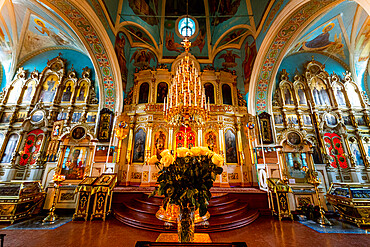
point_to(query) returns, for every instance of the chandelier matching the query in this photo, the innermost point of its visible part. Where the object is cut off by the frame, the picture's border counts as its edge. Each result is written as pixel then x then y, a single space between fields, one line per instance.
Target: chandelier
pixel 186 102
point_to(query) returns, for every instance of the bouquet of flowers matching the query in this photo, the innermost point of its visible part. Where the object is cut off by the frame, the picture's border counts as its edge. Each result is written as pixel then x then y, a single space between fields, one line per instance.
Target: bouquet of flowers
pixel 186 178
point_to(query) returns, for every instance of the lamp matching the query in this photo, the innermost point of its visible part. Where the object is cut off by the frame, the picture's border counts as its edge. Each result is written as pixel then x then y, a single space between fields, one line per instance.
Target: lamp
pixel 186 102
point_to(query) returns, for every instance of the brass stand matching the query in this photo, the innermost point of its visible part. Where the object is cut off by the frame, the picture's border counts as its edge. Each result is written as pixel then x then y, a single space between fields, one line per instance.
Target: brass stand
pixel 323 221
pixel 52 217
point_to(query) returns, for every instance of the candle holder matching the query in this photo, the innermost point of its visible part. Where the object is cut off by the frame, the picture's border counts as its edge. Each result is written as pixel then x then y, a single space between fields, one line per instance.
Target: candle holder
pixel 315 181
pixel 52 217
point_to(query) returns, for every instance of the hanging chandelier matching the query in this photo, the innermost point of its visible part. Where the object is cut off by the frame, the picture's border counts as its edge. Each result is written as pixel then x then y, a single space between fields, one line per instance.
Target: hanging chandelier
pixel 186 102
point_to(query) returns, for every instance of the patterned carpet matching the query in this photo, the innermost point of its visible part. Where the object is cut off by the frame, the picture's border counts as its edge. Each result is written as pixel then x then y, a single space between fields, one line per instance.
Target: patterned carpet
pixel 338 227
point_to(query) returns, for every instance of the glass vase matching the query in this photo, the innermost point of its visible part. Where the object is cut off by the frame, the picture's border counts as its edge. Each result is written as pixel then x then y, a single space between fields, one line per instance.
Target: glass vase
pixel 185 225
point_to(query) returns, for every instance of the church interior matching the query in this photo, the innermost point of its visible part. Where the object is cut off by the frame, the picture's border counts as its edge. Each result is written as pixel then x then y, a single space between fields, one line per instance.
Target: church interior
pixel 93 91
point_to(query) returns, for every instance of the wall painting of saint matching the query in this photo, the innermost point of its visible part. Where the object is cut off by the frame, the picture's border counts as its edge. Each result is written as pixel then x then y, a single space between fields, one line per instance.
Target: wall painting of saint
pixel 230 145
pixel 139 146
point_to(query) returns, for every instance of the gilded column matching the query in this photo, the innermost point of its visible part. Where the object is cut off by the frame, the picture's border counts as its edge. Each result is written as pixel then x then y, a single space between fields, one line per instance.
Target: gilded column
pixel 221 138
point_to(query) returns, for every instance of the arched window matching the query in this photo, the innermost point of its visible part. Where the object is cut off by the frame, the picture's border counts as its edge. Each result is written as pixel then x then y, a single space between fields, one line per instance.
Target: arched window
pixel 144 93
pixel 226 95
pixel 210 92
pixel 10 147
pixel 162 90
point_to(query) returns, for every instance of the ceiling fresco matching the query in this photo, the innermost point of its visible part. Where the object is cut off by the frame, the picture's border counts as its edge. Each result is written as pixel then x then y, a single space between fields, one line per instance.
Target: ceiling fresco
pixel 144 33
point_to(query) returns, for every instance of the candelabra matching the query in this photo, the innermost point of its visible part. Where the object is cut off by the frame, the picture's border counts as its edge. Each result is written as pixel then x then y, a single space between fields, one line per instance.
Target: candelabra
pixel 186 101
pixel 52 217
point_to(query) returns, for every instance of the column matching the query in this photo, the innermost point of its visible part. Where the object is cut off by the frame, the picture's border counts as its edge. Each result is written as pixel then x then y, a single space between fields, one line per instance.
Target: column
pixel 171 142
pixel 148 142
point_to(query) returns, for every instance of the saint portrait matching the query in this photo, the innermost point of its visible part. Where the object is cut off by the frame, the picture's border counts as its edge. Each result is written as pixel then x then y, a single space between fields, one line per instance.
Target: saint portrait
pixel 340 97
pixel 78 133
pixel 74 162
pixel 49 88
pixel 278 119
pixel 301 95
pixel 162 90
pixel 67 93
pixel 9 149
pixel 230 145
pixel 331 119
pixel 139 146
pixel 30 91
pixel 81 95
pixel 356 154
pixel 287 96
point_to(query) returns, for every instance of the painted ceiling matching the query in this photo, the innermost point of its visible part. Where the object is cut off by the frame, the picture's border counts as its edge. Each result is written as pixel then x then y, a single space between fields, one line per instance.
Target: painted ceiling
pixel 229 36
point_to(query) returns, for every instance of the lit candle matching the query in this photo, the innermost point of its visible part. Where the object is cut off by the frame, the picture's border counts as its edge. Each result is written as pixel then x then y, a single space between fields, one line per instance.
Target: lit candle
pixel 164 105
pixel 195 93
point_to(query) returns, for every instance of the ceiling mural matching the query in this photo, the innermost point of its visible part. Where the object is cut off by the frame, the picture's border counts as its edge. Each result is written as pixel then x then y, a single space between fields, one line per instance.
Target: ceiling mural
pixel 327 38
pixel 146 34
pixel 41 34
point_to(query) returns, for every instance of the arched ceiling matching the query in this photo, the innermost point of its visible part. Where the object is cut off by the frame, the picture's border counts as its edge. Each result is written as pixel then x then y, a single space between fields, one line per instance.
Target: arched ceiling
pixel 29 27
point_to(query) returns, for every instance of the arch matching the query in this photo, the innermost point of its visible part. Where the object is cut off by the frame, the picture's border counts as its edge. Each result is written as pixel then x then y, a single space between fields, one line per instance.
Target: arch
pixel 286 27
pixel 82 20
pixel 210 92
pixel 162 91
pixel 143 93
pixel 227 98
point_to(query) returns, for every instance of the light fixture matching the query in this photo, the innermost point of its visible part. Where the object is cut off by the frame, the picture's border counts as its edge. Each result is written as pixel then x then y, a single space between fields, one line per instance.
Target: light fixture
pixel 186 102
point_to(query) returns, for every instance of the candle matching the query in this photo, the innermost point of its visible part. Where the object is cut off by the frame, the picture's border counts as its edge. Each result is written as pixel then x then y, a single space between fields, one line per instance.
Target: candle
pixel 164 105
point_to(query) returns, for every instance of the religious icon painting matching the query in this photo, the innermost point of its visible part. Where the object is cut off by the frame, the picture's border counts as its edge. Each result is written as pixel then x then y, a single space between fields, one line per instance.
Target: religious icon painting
pixel 360 120
pixel 301 95
pixel 82 92
pixel 292 119
pixel 68 91
pixel 105 125
pixel 287 93
pixel 330 119
pixel 159 143
pixel 294 138
pixel 57 129
pixel 307 120
pixel 62 116
pixel 74 162
pixel 211 140
pixel 49 88
pixel 356 153
pixel 265 127
pixel 162 90
pixel 346 120
pixel 78 133
pixel 278 119
pixel 106 179
pixel 91 117
pixel 5 117
pixel 21 116
pixel 30 91
pixel 76 117
pixel 9 149
pixel 37 116
pixel 139 146
pixel 230 145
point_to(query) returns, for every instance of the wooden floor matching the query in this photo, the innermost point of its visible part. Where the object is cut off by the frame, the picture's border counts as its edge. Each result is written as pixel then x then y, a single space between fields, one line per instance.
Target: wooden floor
pixel 264 232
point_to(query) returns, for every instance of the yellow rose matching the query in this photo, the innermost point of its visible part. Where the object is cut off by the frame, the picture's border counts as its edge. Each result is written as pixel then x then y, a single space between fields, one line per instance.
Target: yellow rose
pixel 153 160
pixel 182 152
pixel 165 152
pixel 195 151
pixel 204 150
pixel 167 160
pixel 218 160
